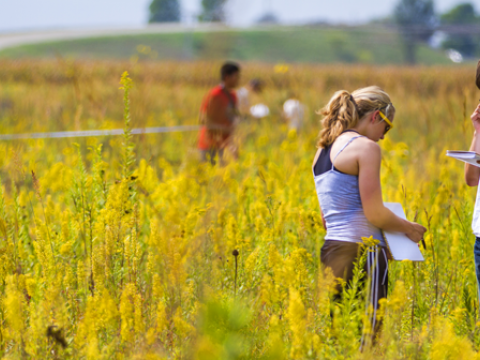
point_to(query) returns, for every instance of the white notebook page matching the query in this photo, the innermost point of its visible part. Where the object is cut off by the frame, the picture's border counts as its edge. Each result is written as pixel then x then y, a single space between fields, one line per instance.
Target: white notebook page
pixel 400 246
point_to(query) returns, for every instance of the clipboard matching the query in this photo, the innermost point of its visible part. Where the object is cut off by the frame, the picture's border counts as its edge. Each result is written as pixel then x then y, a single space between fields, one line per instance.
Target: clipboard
pixel 470 157
pixel 399 245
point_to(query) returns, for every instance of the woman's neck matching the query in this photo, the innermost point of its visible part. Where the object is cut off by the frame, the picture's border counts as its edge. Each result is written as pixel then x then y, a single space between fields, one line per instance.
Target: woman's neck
pixel 360 129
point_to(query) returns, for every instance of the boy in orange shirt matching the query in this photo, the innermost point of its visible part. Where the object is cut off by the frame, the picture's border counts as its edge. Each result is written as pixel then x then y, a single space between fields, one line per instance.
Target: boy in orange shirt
pixel 218 115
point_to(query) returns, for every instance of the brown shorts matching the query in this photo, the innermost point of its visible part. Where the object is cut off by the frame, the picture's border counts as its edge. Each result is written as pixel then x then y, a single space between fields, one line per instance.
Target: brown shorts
pixel 341 256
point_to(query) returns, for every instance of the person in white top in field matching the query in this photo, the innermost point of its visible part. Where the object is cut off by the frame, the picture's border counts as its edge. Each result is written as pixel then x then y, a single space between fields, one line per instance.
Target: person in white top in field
pixel 255 86
pixel 472 177
pixel 294 112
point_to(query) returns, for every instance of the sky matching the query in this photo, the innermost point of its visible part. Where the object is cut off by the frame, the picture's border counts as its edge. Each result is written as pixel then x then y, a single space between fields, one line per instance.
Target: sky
pixel 20 15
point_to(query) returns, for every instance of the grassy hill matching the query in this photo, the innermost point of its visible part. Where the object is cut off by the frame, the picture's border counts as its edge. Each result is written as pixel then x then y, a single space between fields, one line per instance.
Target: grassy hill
pixel 366 44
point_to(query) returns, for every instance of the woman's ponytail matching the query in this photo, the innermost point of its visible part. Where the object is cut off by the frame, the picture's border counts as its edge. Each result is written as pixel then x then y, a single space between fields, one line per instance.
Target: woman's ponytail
pixel 344 111
pixel 340 114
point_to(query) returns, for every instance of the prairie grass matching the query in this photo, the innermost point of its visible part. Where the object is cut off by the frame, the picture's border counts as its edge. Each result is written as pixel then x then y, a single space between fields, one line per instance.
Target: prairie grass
pixel 123 248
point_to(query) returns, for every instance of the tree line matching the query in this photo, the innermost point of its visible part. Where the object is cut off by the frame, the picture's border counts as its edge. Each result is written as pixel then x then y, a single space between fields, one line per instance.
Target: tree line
pixel 416 21
pixel 170 11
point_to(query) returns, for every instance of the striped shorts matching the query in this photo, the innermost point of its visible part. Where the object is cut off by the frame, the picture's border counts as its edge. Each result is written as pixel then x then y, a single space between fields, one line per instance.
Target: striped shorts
pixel 341 256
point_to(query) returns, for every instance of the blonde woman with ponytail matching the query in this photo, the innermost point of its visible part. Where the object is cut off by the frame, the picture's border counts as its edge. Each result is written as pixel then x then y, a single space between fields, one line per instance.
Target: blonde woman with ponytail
pixel 346 171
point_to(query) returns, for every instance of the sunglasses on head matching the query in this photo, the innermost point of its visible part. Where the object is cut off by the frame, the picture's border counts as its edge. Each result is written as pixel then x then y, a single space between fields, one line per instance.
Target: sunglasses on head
pixel 389 123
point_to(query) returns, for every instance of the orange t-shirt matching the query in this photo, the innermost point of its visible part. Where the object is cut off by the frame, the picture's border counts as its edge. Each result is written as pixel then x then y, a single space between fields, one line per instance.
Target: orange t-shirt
pixel 216 138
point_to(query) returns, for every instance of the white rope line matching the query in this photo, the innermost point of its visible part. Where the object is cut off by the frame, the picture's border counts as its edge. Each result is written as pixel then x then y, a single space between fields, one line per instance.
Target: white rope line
pixel 71 134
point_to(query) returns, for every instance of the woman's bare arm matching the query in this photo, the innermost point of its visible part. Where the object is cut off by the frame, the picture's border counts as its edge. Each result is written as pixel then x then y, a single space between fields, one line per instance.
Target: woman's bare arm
pixel 371 195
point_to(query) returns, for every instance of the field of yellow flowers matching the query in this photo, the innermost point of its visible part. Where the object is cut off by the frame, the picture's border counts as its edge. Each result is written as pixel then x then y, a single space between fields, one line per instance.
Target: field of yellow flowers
pixel 127 247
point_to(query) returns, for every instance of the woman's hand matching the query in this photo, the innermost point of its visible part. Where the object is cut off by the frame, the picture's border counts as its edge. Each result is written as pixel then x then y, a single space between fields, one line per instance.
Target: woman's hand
pixel 416 232
pixel 476 119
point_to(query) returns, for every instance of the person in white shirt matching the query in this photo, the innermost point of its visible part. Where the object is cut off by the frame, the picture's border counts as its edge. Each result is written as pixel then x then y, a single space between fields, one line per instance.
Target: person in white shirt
pixel 472 177
pixel 294 111
pixel 244 93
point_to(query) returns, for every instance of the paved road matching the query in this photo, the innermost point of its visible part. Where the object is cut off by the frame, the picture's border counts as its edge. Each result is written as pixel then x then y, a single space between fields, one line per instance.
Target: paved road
pixel 15 39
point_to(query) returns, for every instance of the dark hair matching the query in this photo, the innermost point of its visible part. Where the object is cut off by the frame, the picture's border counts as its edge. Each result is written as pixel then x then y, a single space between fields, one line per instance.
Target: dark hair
pixel 229 68
pixel 256 84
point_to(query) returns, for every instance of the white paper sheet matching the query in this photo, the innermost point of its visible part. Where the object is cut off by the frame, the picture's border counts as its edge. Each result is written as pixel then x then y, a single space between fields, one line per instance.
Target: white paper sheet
pixel 470 157
pixel 400 246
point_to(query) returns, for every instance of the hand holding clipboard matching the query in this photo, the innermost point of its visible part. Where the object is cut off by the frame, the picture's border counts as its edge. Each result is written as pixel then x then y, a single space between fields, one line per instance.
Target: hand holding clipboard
pixel 399 245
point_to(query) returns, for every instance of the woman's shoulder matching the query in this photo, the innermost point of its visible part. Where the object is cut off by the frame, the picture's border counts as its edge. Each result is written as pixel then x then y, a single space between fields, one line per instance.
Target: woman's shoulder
pixel 367 151
pixel 366 144
pixel 363 147
pixel 356 142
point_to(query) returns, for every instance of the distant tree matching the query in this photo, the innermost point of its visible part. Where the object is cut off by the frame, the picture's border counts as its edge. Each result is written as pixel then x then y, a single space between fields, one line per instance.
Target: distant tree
pixel 460 39
pixel 416 20
pixel 460 14
pixel 268 19
pixel 213 10
pixel 164 11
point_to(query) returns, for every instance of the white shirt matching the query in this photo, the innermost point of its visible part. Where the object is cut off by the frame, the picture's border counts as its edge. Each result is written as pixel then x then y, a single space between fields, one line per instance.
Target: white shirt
pixel 294 112
pixel 476 215
pixel 243 100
